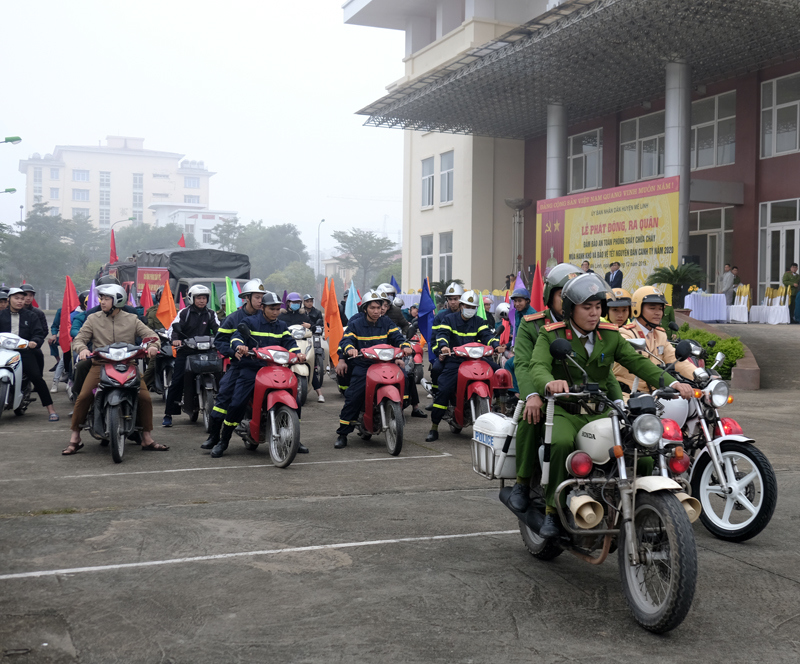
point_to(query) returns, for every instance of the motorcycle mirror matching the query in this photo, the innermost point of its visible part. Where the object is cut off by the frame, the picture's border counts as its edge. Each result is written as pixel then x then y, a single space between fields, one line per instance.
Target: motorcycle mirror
pixel 638 344
pixel 683 350
pixel 245 332
pixel 712 343
pixel 560 349
pixel 674 326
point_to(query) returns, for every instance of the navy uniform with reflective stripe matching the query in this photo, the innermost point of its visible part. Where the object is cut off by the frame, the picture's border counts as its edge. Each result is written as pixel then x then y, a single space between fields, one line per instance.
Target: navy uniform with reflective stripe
pixel 222 342
pixel 264 334
pixel 436 365
pixel 360 333
pixel 454 331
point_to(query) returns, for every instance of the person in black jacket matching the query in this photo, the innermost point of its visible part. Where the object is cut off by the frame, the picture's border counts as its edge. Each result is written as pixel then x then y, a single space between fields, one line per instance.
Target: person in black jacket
pixel 342 305
pixel 30 294
pixel 23 322
pixel 195 320
pixel 295 314
pixel 311 311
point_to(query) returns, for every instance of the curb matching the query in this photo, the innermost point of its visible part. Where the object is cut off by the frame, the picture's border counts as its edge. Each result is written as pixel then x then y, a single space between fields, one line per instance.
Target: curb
pixel 746 375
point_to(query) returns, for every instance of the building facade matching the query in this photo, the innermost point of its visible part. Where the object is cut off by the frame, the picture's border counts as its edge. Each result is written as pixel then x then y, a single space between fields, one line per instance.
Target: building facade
pixel 113 182
pixel 712 95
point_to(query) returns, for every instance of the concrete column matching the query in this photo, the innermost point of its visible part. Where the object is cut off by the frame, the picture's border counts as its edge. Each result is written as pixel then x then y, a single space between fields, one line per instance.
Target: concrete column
pixel 419 33
pixel 677 135
pixel 556 184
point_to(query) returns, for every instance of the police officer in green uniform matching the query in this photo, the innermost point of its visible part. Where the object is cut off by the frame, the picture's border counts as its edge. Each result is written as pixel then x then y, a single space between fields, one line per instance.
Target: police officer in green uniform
pixel 596 347
pixel 529 430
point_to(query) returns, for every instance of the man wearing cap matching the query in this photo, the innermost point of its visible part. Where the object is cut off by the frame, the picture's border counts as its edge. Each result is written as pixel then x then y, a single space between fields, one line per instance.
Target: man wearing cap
pixel 30 294
pixel 3 298
pixel 457 329
pixel 266 330
pixel 314 314
pixel 369 329
pixel 23 322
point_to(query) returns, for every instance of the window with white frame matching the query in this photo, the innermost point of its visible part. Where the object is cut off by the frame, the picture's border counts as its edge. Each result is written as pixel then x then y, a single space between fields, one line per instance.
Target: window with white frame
pixel 54 193
pixel 157 194
pixel 105 179
pixel 191 199
pixel 427 183
pixel 138 181
pixel 208 237
pixel 161 176
pixel 780 105
pixel 189 228
pixel 105 198
pixel 53 212
pixel 191 183
pixel 427 258
pixel 713 137
pixel 446 178
pixel 80 194
pixel 80 213
pixel 37 184
pixel 80 176
pixel 585 161
pixel 445 256
pixel 55 173
pixel 105 217
pixel 641 148
pixel 37 174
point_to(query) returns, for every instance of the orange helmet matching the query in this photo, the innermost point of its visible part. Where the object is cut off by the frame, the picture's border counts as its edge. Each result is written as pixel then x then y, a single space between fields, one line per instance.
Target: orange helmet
pixel 646 295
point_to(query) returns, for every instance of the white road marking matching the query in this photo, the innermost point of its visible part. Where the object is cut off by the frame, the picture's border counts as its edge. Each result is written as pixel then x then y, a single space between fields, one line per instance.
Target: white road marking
pixel 190 470
pixel 245 554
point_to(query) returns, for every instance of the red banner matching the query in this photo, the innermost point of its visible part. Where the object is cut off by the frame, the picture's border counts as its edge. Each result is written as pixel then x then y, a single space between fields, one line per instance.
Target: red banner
pixel 155 277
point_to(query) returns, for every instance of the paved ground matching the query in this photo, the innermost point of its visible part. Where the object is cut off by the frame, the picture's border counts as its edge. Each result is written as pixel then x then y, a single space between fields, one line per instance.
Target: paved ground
pixel 346 556
pixel 774 347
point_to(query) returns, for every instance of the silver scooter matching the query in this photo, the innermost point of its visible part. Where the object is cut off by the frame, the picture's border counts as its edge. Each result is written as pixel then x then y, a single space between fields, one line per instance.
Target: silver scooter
pixel 15 389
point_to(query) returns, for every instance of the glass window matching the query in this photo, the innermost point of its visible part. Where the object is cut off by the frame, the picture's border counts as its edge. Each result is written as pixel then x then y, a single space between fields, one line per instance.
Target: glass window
pixel 710 219
pixel 191 199
pixel 728 219
pixel 105 216
pixel 105 179
pixel 766 133
pixel 781 211
pixel 713 136
pixel 445 256
pixel 427 183
pixel 54 212
pixel 55 173
pixel 787 89
pixel 705 146
pixel 138 180
pixel 726 105
pixel 80 176
pixel 726 141
pixel 80 213
pixel 37 174
pixel 585 157
pixel 427 258
pixel 642 148
pixel 191 183
pixel 766 95
pixel 54 193
pixel 138 199
pixel 703 111
pixel 80 194
pixel 105 197
pixel 780 100
pixel 786 129
pixel 446 183
pixel 207 237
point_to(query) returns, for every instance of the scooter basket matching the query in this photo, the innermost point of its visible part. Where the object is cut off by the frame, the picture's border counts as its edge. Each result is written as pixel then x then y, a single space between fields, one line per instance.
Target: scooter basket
pixel 204 363
pixel 489 435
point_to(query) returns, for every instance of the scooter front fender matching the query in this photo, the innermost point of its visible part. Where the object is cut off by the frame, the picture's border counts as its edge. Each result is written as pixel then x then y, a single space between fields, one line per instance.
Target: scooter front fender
pixel 389 392
pixel 734 438
pixel 273 399
pixel 477 388
pixel 653 483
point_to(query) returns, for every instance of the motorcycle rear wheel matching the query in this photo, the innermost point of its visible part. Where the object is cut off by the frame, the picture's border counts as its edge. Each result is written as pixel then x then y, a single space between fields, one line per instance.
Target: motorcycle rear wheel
pixel 319 368
pixel 302 390
pixel 117 438
pixel 284 449
pixel 749 509
pixel 207 406
pixel 659 590
pixel 394 432
pixel 538 547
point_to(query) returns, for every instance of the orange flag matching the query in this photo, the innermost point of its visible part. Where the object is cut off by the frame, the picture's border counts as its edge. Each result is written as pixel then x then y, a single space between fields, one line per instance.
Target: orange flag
pixel 166 311
pixel 335 323
pixel 324 303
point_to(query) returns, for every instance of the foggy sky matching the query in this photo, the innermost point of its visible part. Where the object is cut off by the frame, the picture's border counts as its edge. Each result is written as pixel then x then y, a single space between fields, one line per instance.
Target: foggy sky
pixel 264 92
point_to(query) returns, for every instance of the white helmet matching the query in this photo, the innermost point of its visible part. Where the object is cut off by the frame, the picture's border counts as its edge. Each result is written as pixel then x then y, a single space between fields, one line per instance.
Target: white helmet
pixel 115 292
pixel 194 291
pixel 454 289
pixel 372 296
pixel 399 302
pixel 470 298
pixel 252 286
pixel 502 309
pixel 387 288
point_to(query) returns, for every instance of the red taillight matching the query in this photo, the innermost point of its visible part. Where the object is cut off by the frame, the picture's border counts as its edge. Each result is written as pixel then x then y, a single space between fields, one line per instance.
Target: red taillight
pixel 671 430
pixel 678 461
pixel 579 464
pixel 729 427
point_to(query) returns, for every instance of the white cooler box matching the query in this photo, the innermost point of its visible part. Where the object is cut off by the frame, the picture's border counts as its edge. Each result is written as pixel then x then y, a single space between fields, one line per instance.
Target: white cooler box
pixel 488 437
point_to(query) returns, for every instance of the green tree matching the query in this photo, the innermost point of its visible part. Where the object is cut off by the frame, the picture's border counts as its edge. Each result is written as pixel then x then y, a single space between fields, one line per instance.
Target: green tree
pixel 144 236
pixel 271 248
pixel 296 276
pixel 88 244
pixel 226 234
pixel 365 251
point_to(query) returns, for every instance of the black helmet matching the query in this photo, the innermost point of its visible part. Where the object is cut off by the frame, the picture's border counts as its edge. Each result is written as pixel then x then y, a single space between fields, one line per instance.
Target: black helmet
pixel 108 279
pixel 82 297
pixel 28 288
pixel 157 296
pixel 586 287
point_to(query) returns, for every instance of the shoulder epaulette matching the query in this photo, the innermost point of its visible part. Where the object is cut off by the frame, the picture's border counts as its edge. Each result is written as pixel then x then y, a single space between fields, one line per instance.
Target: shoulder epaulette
pixel 630 326
pixel 537 316
pixel 608 326
pixel 661 329
pixel 555 326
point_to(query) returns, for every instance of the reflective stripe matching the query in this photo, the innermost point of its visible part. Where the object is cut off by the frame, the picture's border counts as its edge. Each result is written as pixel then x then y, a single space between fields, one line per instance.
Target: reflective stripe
pixel 344 421
pixel 269 334
pixel 227 331
pixel 220 410
pixel 230 424
pixel 436 405
pixel 382 336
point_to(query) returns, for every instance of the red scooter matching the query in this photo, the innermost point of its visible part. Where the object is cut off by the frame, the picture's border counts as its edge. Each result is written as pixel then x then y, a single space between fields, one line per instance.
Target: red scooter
pixel 273 410
pixel 474 387
pixel 383 398
pixel 416 346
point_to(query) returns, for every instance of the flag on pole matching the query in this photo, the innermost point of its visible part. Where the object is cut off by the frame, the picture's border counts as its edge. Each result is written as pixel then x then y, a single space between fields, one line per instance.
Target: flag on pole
pixel 324 304
pixel 230 298
pixel 147 299
pixel 426 313
pixel 537 290
pixel 353 300
pixel 394 283
pixel 131 297
pixel 182 242
pixel 236 289
pixel 481 307
pixel 68 305
pixel 336 330
pixel 92 301
pixel 180 301
pixel 112 258
pixel 213 300
pixel 283 299
pixel 166 311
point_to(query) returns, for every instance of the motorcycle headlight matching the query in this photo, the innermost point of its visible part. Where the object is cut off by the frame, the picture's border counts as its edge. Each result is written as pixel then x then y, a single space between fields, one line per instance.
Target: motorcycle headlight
pixel 647 431
pixel 11 342
pixel 475 353
pixel 116 354
pixel 280 357
pixel 298 334
pixel 717 393
pixel 205 345
pixel 385 355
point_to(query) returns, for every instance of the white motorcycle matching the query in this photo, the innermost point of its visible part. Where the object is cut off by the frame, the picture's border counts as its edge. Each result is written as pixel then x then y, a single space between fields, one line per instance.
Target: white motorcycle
pixel 15 389
pixel 303 336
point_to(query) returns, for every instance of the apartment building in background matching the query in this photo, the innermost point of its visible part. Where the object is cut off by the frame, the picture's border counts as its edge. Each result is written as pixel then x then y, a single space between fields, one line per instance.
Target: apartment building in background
pixel 113 182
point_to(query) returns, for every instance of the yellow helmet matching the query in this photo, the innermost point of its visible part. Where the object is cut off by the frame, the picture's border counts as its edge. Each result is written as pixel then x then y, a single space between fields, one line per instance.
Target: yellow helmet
pixel 623 298
pixel 646 295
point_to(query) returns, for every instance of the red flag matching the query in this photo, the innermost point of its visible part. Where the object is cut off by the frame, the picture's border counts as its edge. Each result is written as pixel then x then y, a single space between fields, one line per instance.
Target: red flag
pixel 68 305
pixel 112 258
pixel 146 300
pixel 182 242
pixel 537 290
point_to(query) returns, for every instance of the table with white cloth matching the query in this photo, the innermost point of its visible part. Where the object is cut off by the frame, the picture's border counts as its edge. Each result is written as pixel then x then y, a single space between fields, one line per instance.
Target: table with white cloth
pixel 707 307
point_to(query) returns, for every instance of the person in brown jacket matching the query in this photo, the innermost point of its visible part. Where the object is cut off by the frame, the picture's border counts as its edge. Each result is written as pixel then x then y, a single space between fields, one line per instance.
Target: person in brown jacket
pixel 108 326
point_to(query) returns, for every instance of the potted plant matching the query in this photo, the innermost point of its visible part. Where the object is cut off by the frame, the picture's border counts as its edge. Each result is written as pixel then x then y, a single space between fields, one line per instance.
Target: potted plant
pixel 679 278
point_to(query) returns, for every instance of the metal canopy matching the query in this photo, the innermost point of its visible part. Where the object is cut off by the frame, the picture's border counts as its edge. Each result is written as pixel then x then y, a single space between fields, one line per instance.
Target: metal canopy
pixel 594 56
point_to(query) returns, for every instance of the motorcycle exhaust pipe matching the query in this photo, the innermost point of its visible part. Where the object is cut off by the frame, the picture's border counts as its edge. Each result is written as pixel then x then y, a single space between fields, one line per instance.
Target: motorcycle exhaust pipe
pixel 691 505
pixel 587 511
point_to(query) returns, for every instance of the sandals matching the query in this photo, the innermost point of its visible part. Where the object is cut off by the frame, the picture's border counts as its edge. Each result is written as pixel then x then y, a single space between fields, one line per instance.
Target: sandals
pixel 155 447
pixel 72 448
pixel 53 417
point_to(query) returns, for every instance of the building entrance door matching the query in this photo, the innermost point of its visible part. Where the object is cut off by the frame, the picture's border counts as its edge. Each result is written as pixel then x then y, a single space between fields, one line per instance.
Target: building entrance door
pixel 705 246
pixel 783 249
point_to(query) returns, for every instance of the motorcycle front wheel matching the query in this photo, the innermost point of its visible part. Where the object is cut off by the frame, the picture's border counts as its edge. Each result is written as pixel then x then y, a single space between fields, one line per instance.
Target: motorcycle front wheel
pixel 116 436
pixel 284 443
pixel 319 368
pixel 166 379
pixel 394 432
pixel 744 513
pixel 482 405
pixel 659 590
pixel 208 404
pixel 4 387
pixel 302 390
pixel 26 399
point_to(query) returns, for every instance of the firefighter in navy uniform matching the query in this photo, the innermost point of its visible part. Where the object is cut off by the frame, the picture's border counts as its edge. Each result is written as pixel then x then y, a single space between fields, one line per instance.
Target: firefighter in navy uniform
pixel 457 329
pixel 252 292
pixel 266 330
pixel 452 298
pixel 365 330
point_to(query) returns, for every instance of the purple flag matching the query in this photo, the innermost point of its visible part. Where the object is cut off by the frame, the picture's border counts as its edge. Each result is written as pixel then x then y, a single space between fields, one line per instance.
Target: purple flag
pixel 92 300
